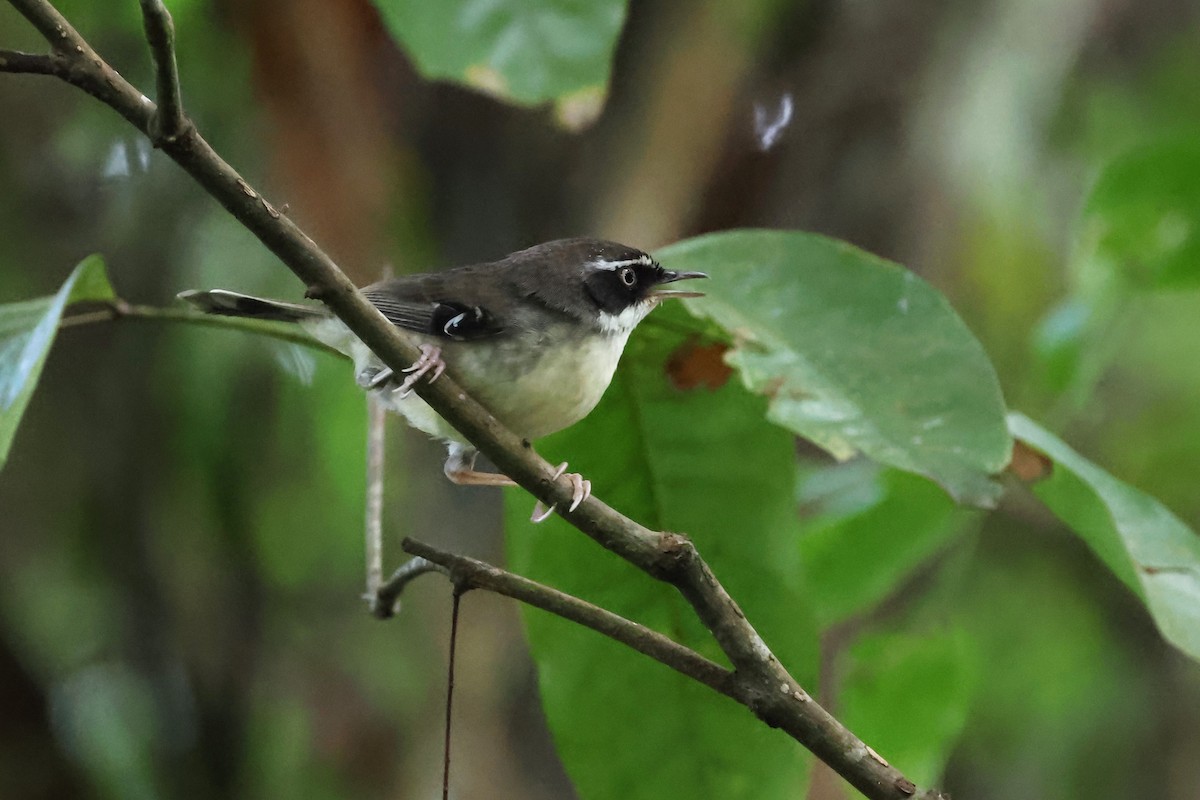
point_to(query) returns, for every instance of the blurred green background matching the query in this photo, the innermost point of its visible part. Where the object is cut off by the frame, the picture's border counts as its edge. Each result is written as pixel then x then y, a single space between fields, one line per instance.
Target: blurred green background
pixel 180 517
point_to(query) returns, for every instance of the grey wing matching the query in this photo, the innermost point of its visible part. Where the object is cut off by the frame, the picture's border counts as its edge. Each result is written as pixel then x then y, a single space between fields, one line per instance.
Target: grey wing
pixel 416 304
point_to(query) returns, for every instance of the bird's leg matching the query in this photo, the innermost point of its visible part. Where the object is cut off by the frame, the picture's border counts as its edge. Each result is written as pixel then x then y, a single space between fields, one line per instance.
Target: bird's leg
pixel 581 490
pixel 460 469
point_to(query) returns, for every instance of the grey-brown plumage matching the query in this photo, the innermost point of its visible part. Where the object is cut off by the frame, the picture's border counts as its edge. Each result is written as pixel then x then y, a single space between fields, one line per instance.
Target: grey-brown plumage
pixel 535 337
pixel 520 291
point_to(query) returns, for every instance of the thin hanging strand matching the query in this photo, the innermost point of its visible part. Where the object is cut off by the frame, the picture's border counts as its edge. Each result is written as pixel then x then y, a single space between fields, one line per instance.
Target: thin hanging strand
pixel 450 695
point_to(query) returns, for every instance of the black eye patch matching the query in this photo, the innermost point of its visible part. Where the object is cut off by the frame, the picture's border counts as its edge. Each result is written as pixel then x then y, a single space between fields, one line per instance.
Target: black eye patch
pixel 610 290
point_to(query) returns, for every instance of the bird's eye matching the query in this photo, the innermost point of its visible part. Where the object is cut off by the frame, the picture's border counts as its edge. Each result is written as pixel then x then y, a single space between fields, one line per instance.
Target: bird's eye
pixel 627 276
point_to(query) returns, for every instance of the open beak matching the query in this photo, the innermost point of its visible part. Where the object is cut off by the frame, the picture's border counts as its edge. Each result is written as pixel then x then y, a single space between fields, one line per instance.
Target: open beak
pixel 670 277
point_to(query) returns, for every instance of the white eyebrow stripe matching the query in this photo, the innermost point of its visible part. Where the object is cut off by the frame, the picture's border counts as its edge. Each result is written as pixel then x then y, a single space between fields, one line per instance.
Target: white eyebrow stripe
pixel 644 260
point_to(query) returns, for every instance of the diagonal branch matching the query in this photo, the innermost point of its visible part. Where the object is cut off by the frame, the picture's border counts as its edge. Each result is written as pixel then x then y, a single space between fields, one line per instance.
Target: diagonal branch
pixel 764 685
pixel 472 574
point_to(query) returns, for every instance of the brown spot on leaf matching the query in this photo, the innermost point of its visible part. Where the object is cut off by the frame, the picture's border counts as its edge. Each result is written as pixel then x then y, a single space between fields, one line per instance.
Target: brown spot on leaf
pixel 694 366
pixel 1029 465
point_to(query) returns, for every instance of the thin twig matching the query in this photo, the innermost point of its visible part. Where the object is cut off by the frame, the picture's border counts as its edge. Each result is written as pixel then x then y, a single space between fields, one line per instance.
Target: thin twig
pixel 169 120
pixel 373 529
pixel 458 593
pixel 31 63
pixel 762 684
pixel 385 601
pixel 383 607
pixel 480 575
pixel 115 310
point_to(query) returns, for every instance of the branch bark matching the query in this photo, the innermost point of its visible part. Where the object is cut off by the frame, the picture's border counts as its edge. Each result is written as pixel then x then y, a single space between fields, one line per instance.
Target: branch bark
pixel 758 680
pixel 32 63
pixel 384 599
pixel 169 121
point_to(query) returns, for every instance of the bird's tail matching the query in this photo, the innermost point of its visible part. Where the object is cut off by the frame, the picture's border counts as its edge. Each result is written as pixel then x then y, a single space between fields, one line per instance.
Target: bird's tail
pixel 232 304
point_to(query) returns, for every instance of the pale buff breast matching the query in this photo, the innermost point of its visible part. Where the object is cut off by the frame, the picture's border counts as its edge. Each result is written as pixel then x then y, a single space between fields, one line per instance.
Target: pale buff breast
pixel 538 396
pixel 536 383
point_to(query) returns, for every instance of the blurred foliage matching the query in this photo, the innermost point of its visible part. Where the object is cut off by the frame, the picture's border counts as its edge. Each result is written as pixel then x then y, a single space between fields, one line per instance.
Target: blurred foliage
pixel 1140 219
pixel 908 695
pixel 178 557
pixel 527 52
pixel 1059 679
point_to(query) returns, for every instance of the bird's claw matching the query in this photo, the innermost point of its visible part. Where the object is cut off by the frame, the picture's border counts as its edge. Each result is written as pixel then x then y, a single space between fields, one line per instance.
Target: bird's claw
pixel 374 381
pixel 581 490
pixel 373 378
pixel 540 513
pixel 430 361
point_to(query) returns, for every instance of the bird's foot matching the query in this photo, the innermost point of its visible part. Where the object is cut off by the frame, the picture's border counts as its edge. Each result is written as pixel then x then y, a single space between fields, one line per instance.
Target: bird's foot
pixel 581 490
pixel 430 361
pixel 460 469
pixel 373 377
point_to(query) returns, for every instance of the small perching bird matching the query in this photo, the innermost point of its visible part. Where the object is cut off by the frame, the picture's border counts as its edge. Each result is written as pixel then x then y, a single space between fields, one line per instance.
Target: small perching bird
pixel 534 337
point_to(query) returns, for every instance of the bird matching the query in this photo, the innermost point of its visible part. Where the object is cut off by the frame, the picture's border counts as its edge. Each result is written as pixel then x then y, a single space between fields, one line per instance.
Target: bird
pixel 535 337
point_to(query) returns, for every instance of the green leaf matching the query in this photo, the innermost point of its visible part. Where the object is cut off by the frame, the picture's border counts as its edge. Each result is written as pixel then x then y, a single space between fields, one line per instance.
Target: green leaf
pixel 1142 542
pixel 908 696
pixel 868 530
pixel 524 51
pixel 27 329
pixel 704 462
pixel 1141 222
pixel 855 353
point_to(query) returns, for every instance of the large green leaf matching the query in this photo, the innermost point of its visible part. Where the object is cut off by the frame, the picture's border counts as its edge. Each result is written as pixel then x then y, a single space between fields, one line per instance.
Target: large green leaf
pixel 526 51
pixel 1146 545
pixel 704 462
pixel 856 353
pixel 869 528
pixel 1141 222
pixel 27 329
